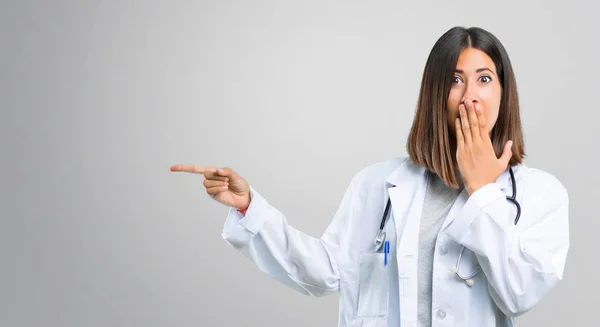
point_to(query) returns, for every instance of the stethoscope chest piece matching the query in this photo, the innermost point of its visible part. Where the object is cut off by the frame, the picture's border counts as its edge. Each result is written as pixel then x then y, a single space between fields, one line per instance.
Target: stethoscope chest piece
pixel 379 240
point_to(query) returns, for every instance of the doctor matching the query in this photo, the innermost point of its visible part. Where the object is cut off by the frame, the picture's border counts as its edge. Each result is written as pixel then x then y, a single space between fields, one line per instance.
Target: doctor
pixel 459 233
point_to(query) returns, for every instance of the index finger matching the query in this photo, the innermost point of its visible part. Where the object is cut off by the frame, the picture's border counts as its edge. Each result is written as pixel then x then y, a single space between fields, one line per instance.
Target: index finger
pixel 190 169
pixel 482 123
pixel 473 119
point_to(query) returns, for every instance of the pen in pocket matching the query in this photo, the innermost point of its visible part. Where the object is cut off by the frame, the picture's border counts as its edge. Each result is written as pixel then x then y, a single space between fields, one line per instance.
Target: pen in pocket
pixel 386 250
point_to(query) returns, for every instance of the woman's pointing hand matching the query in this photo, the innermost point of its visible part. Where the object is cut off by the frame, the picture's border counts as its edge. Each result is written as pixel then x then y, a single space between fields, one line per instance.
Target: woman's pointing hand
pixel 222 184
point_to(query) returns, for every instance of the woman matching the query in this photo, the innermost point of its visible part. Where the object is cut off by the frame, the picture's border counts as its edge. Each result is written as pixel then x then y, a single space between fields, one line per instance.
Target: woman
pixel 473 237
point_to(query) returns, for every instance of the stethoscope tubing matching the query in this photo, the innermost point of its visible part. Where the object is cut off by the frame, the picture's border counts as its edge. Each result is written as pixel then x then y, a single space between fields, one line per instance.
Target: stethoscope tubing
pixel 381 235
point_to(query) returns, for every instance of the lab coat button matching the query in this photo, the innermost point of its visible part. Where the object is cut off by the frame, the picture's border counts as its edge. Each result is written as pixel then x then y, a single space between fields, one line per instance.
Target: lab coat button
pixel 444 249
pixel 441 314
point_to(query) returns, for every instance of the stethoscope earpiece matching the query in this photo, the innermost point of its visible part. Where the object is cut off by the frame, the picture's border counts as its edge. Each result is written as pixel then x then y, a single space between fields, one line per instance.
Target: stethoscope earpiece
pixel 469 281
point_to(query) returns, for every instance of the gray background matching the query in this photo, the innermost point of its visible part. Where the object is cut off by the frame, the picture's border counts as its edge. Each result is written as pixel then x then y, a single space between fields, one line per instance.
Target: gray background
pixel 99 98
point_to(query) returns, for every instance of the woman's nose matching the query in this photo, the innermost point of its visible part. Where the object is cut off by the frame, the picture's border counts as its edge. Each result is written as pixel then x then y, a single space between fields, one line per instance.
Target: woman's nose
pixel 473 99
pixel 470 94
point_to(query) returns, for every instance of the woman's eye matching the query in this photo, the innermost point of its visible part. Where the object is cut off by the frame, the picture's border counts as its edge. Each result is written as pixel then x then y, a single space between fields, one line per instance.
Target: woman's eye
pixel 485 79
pixel 456 80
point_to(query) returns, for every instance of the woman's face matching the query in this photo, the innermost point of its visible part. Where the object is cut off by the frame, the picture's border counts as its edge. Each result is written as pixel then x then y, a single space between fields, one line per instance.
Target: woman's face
pixel 476 79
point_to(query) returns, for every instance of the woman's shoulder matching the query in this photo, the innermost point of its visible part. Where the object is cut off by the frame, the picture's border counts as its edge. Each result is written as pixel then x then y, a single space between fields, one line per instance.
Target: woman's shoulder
pixel 382 168
pixel 378 172
pixel 386 166
pixel 538 179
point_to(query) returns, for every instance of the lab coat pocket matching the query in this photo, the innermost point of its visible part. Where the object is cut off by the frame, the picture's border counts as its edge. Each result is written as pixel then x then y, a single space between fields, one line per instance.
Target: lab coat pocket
pixel 373 285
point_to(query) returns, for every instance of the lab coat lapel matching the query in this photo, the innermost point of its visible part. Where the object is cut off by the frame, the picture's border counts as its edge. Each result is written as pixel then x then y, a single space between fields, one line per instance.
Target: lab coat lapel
pixel 407 198
pixel 405 185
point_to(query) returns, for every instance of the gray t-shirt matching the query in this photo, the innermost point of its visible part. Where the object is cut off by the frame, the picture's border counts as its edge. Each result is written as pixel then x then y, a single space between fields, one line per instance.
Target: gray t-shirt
pixel 439 198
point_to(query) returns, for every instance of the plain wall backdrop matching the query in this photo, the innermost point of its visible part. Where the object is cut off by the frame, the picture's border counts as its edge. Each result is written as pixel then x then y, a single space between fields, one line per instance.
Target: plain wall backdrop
pixel 99 98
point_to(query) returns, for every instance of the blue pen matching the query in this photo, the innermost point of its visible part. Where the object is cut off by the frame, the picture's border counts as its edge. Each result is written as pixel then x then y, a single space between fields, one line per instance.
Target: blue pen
pixel 386 250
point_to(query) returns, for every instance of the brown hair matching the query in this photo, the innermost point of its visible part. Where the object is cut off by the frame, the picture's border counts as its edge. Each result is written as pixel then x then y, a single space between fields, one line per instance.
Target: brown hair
pixel 430 143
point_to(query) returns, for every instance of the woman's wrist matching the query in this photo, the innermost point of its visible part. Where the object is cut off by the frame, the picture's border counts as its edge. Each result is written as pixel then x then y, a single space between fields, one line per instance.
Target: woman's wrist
pixel 245 206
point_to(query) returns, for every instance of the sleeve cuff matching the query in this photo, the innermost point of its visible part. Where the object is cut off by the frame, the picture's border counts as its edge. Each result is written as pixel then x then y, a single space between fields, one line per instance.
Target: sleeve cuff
pixel 475 203
pixel 254 218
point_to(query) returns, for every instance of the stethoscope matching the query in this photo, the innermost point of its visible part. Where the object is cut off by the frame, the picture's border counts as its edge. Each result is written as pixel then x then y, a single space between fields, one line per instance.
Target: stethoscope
pixel 380 238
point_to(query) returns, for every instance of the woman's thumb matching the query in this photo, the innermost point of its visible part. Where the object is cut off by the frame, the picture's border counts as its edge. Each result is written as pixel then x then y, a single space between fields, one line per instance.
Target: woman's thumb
pixel 229 173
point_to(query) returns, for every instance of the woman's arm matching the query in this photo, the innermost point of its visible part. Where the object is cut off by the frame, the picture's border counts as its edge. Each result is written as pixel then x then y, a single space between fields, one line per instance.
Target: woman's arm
pixel 304 263
pixel 522 262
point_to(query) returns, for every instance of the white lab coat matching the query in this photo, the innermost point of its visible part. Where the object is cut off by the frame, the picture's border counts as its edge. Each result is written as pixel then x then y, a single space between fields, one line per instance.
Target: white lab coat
pixel 520 264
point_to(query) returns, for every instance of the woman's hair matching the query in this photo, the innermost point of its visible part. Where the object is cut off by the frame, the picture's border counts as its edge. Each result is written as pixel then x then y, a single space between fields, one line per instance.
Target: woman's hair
pixel 430 143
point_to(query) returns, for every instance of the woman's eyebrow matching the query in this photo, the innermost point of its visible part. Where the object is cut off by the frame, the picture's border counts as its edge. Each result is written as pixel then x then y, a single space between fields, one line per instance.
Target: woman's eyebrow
pixel 479 70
